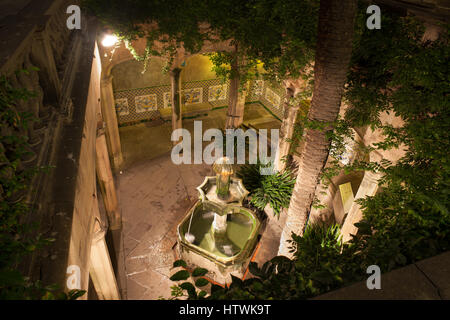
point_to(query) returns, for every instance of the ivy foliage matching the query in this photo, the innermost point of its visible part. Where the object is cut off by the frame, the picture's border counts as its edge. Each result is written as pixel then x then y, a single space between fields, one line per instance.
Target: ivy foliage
pixel 18 239
pixel 397 72
pixel 279 34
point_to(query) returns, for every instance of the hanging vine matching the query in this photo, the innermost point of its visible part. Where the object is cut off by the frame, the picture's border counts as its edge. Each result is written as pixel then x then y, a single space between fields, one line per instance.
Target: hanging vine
pixel 286 48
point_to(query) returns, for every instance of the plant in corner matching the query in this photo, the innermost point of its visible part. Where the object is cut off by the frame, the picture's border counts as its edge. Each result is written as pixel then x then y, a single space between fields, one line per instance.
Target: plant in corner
pixel 274 189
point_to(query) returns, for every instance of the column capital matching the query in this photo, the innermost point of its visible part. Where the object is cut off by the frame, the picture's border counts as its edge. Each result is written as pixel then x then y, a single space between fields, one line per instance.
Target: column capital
pixel 372 177
pixel 175 72
pixel 375 156
pixel 289 92
pixel 101 130
pixel 288 97
pixel 106 80
pixel 100 229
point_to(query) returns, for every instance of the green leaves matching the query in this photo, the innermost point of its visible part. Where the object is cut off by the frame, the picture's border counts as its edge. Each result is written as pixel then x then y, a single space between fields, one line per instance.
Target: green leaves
pixel 398 73
pixel 199 272
pixel 201 282
pixel 180 275
pixel 179 263
pixel 75 294
pixel 289 30
pixel 189 287
pixel 275 189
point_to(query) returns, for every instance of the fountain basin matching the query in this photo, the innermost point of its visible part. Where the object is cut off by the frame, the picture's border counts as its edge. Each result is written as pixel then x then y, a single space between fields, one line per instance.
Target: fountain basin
pixel 222 254
pixel 207 191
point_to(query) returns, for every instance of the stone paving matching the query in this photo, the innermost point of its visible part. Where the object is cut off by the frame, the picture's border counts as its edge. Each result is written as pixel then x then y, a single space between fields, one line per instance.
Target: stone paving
pixel 150 140
pixel 162 194
pixel 154 195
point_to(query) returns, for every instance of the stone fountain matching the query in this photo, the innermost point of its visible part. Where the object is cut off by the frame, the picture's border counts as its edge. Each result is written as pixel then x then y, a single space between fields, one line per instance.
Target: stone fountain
pixel 218 233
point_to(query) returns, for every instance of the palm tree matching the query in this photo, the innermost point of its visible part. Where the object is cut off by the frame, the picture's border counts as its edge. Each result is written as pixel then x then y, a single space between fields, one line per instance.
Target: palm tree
pixel 333 52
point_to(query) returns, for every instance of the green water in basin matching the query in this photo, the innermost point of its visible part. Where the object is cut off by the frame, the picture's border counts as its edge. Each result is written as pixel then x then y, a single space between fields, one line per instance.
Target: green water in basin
pixel 239 229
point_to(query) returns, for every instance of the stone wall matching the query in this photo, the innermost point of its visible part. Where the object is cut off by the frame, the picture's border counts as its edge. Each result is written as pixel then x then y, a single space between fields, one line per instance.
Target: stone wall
pixel 132 89
pixel 63 201
pixel 129 74
pixel 85 209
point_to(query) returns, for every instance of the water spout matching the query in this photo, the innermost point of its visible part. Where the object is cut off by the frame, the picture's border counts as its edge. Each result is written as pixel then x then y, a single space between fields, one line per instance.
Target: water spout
pixel 188 235
pixel 208 215
pixel 220 224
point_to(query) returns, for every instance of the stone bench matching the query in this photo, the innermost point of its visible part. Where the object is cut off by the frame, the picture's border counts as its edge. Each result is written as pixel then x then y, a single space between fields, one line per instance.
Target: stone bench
pixel 188 110
pixel 194 109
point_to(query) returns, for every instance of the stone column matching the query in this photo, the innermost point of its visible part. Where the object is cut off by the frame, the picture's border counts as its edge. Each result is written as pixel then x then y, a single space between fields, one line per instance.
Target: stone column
pixel 368 187
pixel 325 195
pixel 369 184
pixel 175 82
pixel 101 269
pixel 106 181
pixel 236 99
pixel 112 128
pixel 286 131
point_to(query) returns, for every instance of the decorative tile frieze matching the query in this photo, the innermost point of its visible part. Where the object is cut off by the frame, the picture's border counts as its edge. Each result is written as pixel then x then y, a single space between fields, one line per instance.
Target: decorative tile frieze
pixel 145 103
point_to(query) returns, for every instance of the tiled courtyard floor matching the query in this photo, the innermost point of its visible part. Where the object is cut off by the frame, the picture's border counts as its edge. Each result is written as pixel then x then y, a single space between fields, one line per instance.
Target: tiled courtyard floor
pixel 150 140
pixel 154 196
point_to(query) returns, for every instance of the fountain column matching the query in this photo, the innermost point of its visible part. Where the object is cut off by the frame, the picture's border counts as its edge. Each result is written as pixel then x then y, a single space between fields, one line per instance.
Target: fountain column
pixel 223 169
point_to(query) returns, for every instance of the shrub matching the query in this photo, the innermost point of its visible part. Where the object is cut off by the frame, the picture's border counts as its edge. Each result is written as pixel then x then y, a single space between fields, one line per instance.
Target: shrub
pixel 274 189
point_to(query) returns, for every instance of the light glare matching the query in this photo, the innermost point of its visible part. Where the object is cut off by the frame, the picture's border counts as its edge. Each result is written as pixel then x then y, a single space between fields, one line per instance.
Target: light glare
pixel 109 40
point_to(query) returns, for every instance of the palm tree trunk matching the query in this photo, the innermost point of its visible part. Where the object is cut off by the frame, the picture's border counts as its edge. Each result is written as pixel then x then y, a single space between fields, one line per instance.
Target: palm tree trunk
pixel 333 52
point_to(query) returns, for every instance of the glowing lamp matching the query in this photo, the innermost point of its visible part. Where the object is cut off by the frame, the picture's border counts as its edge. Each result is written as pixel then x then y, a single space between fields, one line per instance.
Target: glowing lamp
pixel 109 40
